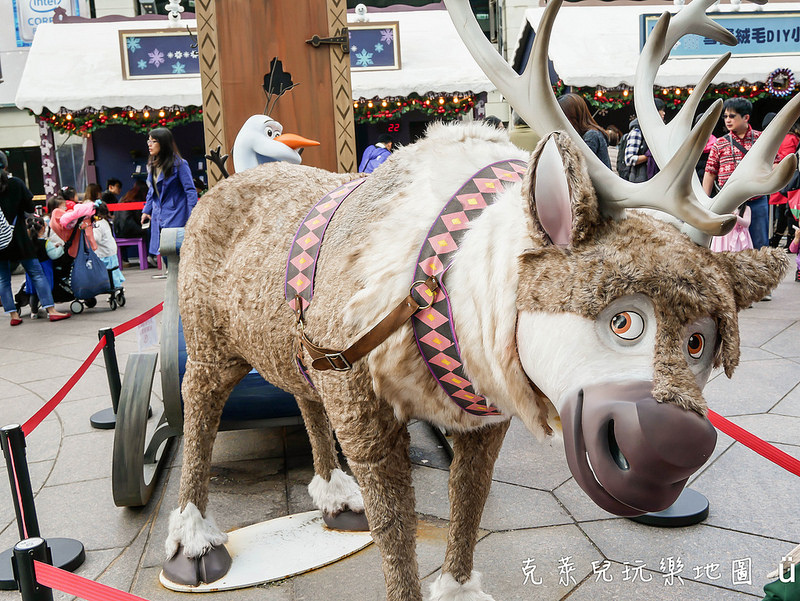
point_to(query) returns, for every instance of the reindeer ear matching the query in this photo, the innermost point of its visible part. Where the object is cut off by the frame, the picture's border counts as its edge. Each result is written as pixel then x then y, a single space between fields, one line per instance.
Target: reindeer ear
pixel 753 273
pixel 551 195
pixel 559 192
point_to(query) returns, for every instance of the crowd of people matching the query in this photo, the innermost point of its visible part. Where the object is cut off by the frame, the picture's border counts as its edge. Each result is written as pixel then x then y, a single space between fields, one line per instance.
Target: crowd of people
pixel 43 245
pixel 633 161
pixel 47 245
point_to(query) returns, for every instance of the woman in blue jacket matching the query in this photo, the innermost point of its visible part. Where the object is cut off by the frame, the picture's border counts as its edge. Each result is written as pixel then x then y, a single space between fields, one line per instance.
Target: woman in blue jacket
pixel 171 194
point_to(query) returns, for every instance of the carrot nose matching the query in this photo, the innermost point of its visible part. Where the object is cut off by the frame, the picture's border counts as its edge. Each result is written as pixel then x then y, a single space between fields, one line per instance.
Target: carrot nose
pixel 294 141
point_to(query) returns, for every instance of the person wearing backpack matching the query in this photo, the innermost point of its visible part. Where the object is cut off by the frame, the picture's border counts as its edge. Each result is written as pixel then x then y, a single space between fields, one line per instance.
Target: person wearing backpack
pixel 726 154
pixel 15 201
pixel 636 155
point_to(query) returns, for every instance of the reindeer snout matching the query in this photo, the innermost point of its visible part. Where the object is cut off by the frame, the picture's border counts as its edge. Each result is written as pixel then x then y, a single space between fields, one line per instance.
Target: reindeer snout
pixel 639 451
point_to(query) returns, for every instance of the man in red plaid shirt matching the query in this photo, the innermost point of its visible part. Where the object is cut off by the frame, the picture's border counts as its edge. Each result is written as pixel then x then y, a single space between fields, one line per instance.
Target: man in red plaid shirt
pixel 727 153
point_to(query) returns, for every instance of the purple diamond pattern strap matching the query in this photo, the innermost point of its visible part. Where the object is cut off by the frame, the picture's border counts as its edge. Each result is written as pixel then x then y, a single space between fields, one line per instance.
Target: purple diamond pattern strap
pixel 302 262
pixel 433 327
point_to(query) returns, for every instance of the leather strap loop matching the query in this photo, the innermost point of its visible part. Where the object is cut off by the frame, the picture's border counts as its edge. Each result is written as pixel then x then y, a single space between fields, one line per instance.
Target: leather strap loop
pixel 324 359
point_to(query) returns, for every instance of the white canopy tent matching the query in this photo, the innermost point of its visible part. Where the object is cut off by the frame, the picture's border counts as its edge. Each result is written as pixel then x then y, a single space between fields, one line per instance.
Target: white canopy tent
pixel 432 57
pixel 78 66
pixel 598 46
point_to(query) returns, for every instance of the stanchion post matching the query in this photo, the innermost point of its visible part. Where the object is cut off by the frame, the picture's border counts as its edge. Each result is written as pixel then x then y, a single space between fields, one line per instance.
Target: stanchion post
pixel 67 553
pixel 25 552
pixel 112 367
pixel 12 440
pixel 107 418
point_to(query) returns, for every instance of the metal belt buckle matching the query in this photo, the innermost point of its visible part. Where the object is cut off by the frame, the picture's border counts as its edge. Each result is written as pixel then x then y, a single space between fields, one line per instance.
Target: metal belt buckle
pixel 340 357
pixel 432 293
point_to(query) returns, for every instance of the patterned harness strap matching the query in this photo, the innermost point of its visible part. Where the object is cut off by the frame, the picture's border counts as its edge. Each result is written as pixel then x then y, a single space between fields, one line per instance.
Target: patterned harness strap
pixel 301 265
pixel 433 327
pixel 433 323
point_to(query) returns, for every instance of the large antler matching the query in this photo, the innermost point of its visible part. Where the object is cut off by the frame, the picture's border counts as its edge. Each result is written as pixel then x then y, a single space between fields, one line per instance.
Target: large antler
pixel 754 175
pixel 671 190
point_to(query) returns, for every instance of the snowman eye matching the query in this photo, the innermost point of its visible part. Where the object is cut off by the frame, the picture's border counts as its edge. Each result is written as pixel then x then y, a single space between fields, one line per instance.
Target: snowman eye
pixel 270 133
pixel 628 325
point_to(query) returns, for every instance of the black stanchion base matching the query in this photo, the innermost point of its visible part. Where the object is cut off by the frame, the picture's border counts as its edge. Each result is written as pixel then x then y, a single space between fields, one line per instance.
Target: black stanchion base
pixel 106 419
pixel 691 507
pixel 68 554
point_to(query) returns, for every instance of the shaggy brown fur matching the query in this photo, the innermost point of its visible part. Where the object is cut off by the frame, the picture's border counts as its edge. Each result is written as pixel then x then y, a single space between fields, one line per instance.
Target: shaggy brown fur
pixel 641 254
pixel 231 288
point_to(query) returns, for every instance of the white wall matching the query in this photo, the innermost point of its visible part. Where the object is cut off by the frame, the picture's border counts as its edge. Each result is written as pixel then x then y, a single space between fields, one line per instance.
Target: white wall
pixel 126 8
pixel 514 15
pixel 17 128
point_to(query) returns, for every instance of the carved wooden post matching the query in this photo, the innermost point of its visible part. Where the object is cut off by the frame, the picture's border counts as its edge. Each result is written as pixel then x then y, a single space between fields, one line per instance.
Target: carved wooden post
pixel 237 39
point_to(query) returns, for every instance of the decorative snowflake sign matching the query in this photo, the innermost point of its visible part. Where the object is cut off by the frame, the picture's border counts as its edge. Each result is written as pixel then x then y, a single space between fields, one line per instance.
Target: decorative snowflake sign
pixel 374 46
pixel 364 59
pixel 160 53
pixel 156 57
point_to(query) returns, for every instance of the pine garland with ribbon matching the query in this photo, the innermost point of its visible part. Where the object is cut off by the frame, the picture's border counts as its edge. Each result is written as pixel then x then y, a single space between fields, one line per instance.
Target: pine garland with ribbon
pixel 606 99
pixel 140 121
pixel 445 106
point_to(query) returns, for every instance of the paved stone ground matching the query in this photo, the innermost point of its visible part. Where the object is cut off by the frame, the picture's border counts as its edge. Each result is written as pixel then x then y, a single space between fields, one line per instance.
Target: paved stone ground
pixel 536 515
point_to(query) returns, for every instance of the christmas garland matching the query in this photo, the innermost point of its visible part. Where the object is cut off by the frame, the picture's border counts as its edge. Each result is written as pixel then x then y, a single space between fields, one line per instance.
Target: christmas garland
pixel 609 99
pixel 142 121
pixel 782 89
pixel 444 106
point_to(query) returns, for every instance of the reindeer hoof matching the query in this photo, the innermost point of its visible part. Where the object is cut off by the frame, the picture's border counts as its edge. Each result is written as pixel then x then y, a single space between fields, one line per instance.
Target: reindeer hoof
pixel 191 571
pixel 346 520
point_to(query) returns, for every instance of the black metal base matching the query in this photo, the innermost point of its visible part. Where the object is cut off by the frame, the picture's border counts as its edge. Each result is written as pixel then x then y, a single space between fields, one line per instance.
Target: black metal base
pixel 691 507
pixel 68 554
pixel 104 420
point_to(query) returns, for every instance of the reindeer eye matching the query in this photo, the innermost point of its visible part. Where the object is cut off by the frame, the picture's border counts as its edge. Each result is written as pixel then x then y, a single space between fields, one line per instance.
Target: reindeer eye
pixel 628 325
pixel 696 345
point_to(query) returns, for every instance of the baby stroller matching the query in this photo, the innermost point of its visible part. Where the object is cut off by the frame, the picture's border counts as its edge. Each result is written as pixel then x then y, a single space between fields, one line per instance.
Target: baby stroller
pixel 62 276
pixel 62 293
pixel 78 280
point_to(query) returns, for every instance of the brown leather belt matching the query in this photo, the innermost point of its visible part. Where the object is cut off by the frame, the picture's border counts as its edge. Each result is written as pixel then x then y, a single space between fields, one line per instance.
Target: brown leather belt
pixel 324 358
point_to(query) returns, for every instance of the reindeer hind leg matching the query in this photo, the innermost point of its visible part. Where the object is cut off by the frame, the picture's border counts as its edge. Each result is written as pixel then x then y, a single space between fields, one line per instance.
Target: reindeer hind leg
pixel 334 492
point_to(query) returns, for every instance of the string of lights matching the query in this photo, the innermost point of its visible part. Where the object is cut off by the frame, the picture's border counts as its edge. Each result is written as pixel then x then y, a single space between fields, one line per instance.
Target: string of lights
pixel 445 106
pixel 86 121
pixel 780 83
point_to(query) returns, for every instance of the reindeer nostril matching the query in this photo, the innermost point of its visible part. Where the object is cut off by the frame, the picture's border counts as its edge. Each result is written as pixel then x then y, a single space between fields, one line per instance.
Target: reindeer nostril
pixel 616 452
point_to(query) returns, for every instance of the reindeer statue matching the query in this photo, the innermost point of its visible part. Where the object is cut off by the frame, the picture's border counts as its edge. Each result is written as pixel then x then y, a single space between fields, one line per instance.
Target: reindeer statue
pixel 534 294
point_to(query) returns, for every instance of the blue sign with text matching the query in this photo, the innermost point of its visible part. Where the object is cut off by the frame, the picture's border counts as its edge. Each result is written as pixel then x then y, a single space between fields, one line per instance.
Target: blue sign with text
pixel 758 34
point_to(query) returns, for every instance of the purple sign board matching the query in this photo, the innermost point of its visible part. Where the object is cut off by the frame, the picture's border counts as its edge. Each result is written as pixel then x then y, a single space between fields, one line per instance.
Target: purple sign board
pixel 159 54
pixel 374 46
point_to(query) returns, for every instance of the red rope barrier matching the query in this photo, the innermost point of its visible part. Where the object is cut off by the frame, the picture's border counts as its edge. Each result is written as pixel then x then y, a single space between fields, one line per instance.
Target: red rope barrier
pixel 126 206
pixel 30 425
pixel 79 586
pixel 753 442
pixel 18 493
pixel 130 324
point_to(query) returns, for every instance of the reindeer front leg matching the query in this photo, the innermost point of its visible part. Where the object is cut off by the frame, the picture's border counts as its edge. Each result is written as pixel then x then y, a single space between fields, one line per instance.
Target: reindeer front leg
pixel 377 450
pixel 195 544
pixel 474 455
